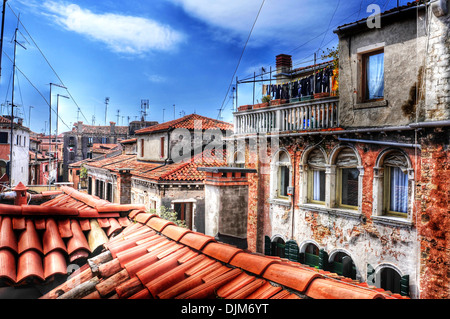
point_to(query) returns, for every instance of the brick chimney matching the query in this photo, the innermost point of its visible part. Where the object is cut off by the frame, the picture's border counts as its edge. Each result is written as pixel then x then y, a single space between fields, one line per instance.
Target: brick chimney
pixel 21 194
pixel 79 126
pixel 284 67
pixel 226 210
pixel 112 125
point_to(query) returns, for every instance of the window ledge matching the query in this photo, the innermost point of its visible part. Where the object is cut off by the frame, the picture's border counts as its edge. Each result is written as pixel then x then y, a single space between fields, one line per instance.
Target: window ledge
pixel 392 221
pixel 334 211
pixel 280 201
pixel 367 105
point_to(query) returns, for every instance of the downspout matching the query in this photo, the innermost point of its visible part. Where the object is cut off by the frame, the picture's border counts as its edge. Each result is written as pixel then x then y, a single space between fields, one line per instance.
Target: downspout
pixel 379 142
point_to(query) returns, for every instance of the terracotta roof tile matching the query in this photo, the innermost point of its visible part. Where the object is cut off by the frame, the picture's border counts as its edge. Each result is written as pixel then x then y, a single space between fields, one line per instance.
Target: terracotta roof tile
pixel 37 242
pixel 187 122
pixel 178 263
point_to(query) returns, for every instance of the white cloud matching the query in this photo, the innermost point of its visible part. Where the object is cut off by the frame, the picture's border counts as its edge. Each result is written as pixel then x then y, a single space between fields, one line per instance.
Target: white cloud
pixel 121 33
pixel 283 21
pixel 155 78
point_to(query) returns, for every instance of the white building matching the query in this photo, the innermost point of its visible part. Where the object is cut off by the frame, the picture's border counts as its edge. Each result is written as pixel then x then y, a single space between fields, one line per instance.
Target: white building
pixel 14 169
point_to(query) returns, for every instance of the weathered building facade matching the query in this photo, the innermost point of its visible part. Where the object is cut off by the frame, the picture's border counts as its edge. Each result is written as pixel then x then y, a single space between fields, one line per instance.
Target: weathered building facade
pixel 357 184
pixel 79 142
pixel 159 167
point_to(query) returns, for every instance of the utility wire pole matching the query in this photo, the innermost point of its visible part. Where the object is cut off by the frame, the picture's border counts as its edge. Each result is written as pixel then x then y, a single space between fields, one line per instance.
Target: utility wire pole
pixel 12 103
pixel 1 41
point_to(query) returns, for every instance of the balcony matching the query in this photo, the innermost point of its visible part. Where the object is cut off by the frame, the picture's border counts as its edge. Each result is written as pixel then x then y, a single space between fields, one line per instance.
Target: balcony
pixel 310 115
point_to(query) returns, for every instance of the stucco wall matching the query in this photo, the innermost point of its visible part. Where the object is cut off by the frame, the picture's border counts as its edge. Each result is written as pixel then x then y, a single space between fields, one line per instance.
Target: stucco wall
pixel 404 46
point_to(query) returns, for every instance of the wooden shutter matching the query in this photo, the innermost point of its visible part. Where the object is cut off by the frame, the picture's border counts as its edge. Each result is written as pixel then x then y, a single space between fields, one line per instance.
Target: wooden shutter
pixel 404 285
pixel 162 146
pixel 323 259
pixel 291 251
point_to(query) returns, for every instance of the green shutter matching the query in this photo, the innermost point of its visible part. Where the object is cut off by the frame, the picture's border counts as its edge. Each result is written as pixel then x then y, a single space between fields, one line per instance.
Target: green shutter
pixel 267 246
pixel 301 258
pixel 323 259
pixel 404 285
pixel 370 275
pixel 291 251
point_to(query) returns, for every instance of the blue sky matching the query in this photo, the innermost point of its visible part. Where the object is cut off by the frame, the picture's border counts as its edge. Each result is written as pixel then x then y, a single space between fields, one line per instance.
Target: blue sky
pixel 170 52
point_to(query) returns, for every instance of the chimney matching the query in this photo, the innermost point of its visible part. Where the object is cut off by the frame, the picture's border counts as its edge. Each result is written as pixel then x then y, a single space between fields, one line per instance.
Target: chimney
pixel 79 127
pixel 20 121
pixel 112 125
pixel 284 67
pixel 226 210
pixel 21 194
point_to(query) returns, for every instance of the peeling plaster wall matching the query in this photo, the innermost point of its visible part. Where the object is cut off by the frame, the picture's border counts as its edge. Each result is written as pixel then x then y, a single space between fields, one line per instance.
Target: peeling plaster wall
pixel 404 50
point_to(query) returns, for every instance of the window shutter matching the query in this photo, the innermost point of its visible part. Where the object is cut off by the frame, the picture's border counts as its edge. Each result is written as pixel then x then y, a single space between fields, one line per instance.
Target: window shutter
pixel 323 259
pixel 370 275
pixel 267 246
pixel 404 285
pixel 292 251
pixel 347 158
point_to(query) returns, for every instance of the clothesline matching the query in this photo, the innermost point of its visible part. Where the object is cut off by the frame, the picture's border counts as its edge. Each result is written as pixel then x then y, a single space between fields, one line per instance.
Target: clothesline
pixel 322 81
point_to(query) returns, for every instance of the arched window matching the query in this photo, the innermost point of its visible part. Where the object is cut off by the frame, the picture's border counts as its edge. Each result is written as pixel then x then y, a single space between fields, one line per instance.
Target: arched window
pixel 389 279
pixel 347 179
pixel 312 255
pixel 281 174
pixel 342 264
pixel 395 184
pixel 278 246
pixel 316 177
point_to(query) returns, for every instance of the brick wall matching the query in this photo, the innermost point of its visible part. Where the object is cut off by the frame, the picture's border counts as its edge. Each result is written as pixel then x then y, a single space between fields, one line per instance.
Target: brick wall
pixel 367 240
pixel 434 221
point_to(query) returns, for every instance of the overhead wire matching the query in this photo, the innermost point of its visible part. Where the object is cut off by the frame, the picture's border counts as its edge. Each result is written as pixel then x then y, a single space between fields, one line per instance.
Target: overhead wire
pixel 240 58
pixel 49 64
pixel 34 86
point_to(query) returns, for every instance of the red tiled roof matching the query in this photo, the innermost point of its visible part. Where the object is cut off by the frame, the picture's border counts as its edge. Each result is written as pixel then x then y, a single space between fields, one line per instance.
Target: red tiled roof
pixel 153 258
pixel 5 152
pixel 185 171
pixel 129 141
pixel 188 122
pixel 39 241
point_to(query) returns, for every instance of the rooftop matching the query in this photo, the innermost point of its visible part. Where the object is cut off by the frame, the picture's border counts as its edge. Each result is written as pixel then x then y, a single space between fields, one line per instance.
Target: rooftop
pixel 183 171
pixel 187 122
pixel 155 259
pixel 38 242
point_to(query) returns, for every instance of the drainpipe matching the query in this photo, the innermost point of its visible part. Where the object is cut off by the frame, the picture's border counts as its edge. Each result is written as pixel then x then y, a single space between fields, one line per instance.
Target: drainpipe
pixel 379 142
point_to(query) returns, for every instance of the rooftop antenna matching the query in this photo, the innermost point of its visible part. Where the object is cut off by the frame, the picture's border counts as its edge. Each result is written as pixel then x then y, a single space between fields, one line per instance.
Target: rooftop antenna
pixel 118 116
pixel 106 107
pixel 144 108
pixel 12 101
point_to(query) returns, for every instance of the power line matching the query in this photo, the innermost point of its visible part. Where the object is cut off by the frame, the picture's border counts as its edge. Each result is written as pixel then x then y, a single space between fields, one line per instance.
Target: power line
pixel 51 67
pixel 31 83
pixel 240 58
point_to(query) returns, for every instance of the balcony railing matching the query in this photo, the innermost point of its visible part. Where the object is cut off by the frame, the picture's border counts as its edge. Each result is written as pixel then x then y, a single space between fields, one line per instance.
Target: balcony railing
pixel 299 116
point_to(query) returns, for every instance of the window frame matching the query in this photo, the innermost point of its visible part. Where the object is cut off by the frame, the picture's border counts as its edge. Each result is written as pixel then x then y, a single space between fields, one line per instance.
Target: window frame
pixel 310 187
pixel 339 188
pixel 364 84
pixel 279 177
pixel 387 195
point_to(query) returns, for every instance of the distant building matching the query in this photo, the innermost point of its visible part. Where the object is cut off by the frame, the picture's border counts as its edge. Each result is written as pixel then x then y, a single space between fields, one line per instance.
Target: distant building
pixel 17 170
pixel 156 170
pixel 78 143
